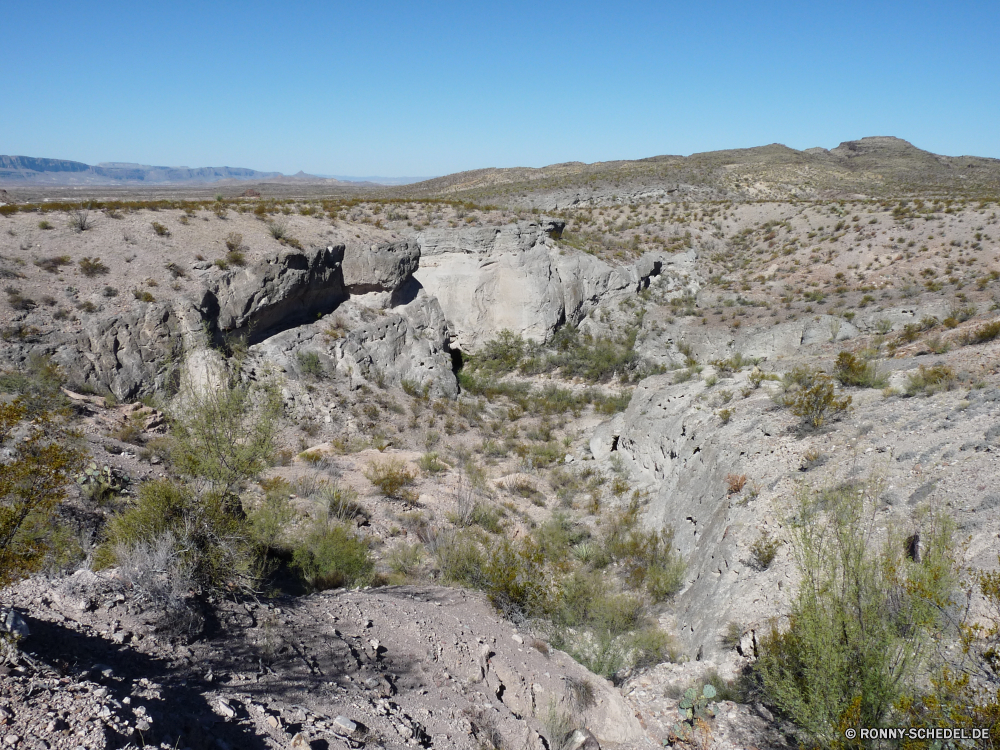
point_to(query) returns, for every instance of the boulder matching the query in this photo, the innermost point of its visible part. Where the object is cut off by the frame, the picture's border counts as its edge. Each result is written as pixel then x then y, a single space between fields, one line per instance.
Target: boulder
pixel 282 291
pixel 129 353
pixel 384 267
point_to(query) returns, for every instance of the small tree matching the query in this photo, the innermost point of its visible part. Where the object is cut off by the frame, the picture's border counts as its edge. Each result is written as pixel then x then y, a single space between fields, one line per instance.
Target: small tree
pixel 32 484
pixel 862 622
pixel 226 435
pixel 816 400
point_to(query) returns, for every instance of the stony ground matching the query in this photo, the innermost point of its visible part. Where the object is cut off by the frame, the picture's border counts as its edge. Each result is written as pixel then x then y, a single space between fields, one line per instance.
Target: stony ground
pixel 416 664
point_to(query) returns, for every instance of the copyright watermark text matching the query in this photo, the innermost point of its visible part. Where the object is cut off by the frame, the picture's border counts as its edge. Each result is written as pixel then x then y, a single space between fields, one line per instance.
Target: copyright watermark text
pixel 917 733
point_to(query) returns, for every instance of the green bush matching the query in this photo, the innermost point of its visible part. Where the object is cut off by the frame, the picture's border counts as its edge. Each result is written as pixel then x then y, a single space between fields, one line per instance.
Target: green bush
pixel 984 333
pixel 392 478
pixel 850 369
pixel 646 558
pixel 226 435
pixel 310 364
pixel 92 267
pixel 430 463
pixel 861 627
pixel 210 532
pixel 330 556
pixel 160 229
pixel 930 380
pixel 813 397
pixel 33 478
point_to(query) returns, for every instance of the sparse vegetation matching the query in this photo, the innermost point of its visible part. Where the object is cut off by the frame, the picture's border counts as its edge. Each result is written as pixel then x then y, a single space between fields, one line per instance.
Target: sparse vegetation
pixel 92 267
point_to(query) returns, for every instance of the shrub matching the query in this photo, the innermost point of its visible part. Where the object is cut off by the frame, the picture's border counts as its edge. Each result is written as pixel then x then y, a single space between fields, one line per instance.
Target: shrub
pixel 725 415
pixel 735 483
pixel 392 479
pixel 850 369
pixel 43 224
pixel 984 333
pixel 646 558
pixel 80 221
pixel 330 556
pixel 53 262
pixel 763 551
pixel 430 463
pixel 226 435
pixel 860 626
pixel 143 296
pixel 110 291
pixel 310 364
pixel 33 478
pixel 234 241
pixel 211 535
pixel 815 398
pixel 92 267
pixel 160 230
pixel 930 380
pixel 236 258
pixel 278 229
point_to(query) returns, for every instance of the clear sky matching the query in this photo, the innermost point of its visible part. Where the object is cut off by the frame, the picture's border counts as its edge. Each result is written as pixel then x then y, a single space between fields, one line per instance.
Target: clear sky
pixel 425 88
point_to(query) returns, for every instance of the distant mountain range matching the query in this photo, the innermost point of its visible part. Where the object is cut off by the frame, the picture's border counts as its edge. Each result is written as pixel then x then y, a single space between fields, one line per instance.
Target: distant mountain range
pixel 29 170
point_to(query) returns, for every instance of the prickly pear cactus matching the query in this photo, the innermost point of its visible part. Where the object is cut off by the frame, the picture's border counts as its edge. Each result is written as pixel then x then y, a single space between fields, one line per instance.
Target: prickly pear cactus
pixel 695 711
pixel 99 482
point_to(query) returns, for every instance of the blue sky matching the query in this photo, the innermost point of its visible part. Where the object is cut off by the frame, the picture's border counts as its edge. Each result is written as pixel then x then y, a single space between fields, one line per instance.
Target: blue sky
pixel 415 88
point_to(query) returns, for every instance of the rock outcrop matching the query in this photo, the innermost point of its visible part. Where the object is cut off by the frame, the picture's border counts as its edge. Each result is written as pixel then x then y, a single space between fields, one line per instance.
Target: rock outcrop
pixel 139 351
pixel 517 278
pixel 384 267
pixel 407 343
pixel 283 291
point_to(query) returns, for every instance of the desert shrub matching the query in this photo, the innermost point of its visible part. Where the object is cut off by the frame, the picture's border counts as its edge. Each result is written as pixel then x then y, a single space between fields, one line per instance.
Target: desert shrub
pixel 812 396
pixel 278 230
pixel 36 386
pixel 155 575
pixel 763 551
pixel 17 300
pixel 405 559
pixel 33 476
pixel 92 267
pixel 310 364
pixel 142 295
pixel 109 291
pixel 558 535
pixel 43 224
pixel 930 380
pixel 226 435
pixel 330 556
pixel 270 519
pixel 53 263
pixel 160 230
pixel 850 369
pixel 735 483
pixel 646 558
pixel 572 354
pixel 473 510
pixel 235 258
pixel 984 333
pixel 431 463
pixel 234 241
pixel 392 478
pixel 209 528
pixel 861 625
pixel 176 271
pixel 80 221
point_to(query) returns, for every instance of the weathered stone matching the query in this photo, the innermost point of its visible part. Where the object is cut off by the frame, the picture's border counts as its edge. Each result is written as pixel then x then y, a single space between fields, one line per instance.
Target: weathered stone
pixel 380 268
